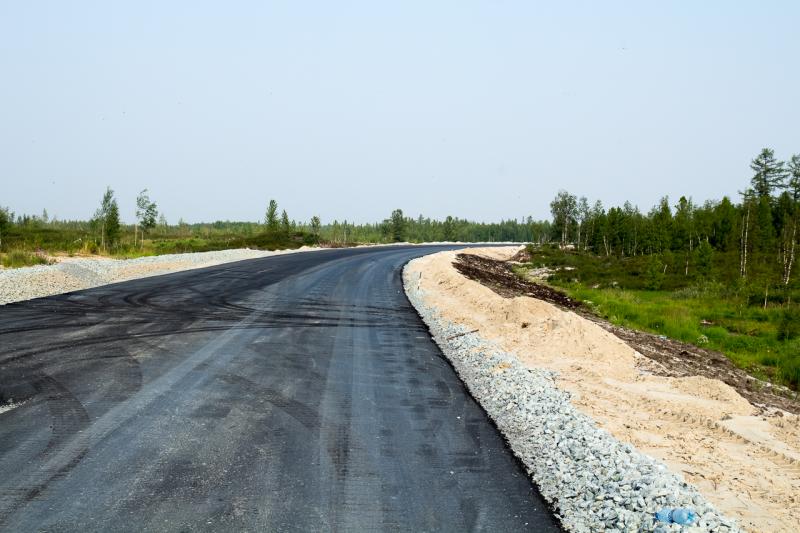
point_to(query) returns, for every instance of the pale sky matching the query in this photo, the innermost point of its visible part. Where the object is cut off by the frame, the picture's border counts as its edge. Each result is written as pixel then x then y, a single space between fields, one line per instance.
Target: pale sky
pixel 348 110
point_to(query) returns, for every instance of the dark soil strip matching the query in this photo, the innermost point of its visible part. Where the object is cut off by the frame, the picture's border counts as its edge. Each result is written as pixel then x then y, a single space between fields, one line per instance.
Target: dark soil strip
pixel 675 358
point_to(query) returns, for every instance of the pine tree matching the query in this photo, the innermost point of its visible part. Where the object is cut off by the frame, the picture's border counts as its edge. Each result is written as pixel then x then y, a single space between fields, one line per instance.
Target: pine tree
pixel 449 229
pixel 286 226
pixel 769 173
pixel 271 219
pixel 398 226
pixel 112 224
pixel 5 221
pixel 794 177
pixel 315 226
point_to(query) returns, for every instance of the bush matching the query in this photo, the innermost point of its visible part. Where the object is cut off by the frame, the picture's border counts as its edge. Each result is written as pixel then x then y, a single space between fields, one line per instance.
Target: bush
pixel 19 258
pixel 789 326
pixel 704 254
pixel 654 275
pixel 789 370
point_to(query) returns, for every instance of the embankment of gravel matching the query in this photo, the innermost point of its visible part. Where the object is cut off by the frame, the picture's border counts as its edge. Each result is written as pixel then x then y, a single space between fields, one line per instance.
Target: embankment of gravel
pixel 72 274
pixel 593 481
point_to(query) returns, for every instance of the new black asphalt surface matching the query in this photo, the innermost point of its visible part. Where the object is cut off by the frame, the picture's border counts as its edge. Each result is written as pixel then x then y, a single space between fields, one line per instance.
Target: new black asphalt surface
pixel 293 393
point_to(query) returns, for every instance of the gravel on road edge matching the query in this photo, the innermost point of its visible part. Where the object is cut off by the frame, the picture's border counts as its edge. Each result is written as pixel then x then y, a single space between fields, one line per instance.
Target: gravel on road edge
pixel 73 274
pixel 593 481
pixel 84 273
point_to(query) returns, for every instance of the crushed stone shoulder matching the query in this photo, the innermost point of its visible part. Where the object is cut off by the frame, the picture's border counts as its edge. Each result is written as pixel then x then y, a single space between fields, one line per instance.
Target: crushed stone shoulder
pixel 84 273
pixel 593 481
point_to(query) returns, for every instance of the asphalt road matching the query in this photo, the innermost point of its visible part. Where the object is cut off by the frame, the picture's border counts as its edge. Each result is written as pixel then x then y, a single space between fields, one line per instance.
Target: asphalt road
pixel 293 393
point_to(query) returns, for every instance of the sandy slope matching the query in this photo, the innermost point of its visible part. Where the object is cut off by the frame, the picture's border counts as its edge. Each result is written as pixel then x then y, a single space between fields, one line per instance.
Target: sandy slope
pixel 747 465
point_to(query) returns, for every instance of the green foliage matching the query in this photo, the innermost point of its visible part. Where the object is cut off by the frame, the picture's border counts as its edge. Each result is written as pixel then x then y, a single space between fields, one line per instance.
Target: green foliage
pixel 5 220
pixel 146 211
pixel 727 315
pixel 106 220
pixel 564 209
pixel 793 186
pixel 704 256
pixel 769 173
pixel 448 229
pixel 271 218
pixel 315 226
pixel 789 325
pixel 112 225
pixel 398 223
pixel 789 369
pixel 20 258
pixel 285 224
pixel 654 275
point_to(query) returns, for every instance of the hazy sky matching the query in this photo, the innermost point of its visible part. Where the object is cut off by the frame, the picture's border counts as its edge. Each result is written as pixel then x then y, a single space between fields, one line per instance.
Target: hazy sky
pixel 350 109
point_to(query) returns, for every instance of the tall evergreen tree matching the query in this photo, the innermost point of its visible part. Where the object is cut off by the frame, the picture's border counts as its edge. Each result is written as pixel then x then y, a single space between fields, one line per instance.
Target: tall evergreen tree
pixel 5 222
pixel 286 226
pixel 271 218
pixel 723 225
pixel 769 173
pixel 315 226
pixel 398 225
pixel 794 177
pixel 449 229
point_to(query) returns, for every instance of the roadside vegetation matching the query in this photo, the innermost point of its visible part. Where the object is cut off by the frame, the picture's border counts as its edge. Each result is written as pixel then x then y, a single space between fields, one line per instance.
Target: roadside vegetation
pixel 720 275
pixel 31 239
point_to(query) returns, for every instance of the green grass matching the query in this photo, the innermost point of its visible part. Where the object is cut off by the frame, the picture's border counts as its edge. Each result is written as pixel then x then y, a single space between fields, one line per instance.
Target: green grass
pixel 21 258
pixel 726 317
pixel 28 245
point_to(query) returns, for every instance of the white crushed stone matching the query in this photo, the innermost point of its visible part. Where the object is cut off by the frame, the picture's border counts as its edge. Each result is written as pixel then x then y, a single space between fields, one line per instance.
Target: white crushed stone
pixel 83 273
pixel 4 407
pixel 593 481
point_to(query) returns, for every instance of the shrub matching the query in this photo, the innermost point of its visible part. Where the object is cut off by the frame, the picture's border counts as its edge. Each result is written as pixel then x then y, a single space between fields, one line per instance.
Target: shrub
pixel 654 275
pixel 19 258
pixel 789 325
pixel 789 370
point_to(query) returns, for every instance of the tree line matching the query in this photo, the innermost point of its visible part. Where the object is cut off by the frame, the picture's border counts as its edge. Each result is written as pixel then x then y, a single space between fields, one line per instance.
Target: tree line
pixel 105 231
pixel 759 231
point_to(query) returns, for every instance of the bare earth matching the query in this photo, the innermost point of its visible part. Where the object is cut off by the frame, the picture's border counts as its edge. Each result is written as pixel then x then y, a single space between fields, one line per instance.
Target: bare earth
pixel 745 462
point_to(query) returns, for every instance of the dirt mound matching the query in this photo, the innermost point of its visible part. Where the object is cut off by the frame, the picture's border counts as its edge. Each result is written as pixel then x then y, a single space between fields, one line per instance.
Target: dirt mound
pixel 498 276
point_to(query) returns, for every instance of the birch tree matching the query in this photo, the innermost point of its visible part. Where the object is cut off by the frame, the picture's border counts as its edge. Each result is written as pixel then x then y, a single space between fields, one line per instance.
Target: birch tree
pixel 747 199
pixel 564 209
pixel 583 213
pixel 106 218
pixel 146 214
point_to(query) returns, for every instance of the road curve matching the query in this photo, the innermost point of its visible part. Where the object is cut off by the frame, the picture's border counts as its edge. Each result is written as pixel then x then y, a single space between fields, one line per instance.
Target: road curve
pixel 292 393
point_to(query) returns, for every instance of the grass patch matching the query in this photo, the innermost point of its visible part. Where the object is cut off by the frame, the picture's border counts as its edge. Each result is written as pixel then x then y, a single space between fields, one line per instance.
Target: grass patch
pixel 20 258
pixel 726 317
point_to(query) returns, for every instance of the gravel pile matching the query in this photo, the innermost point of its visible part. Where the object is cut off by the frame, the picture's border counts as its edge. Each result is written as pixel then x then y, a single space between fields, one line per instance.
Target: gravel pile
pixel 83 273
pixel 593 481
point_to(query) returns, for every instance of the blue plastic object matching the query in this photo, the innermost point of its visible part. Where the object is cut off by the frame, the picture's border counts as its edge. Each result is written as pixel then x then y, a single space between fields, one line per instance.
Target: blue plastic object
pixel 680 515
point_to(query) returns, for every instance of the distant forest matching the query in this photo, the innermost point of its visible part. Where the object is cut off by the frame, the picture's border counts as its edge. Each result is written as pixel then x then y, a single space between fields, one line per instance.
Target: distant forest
pixel 755 237
pixel 760 229
pixel 29 237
